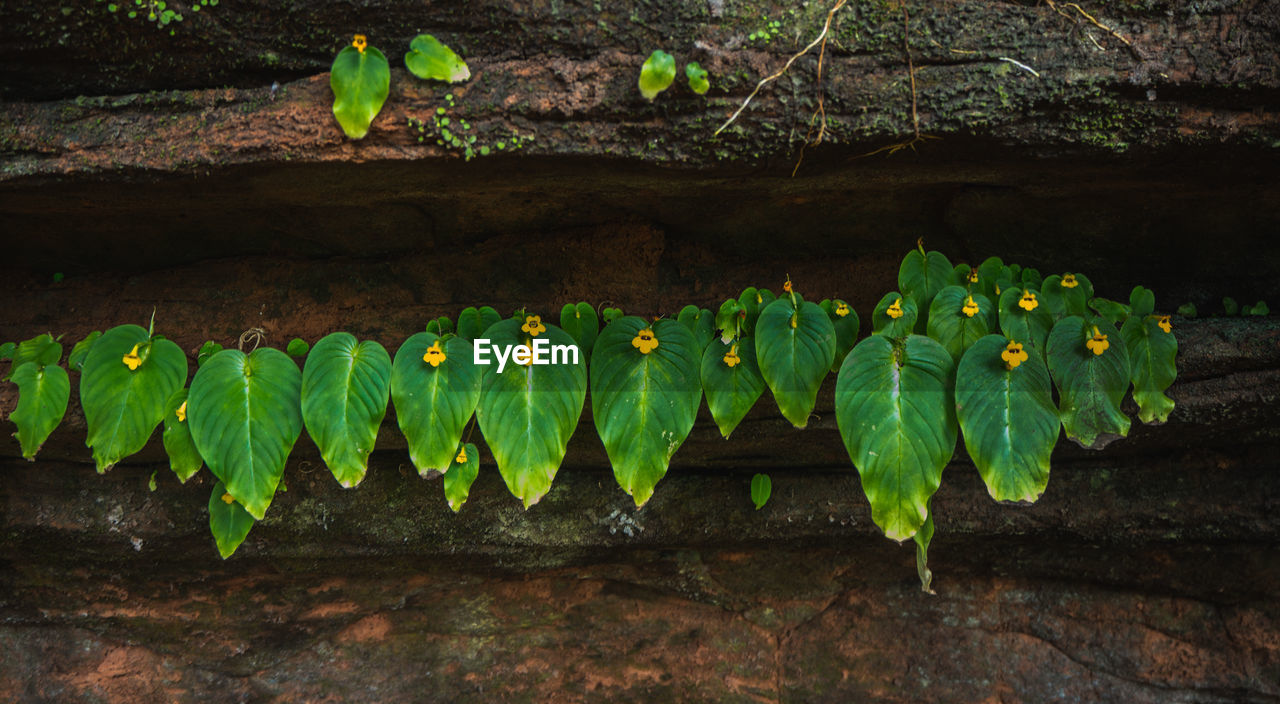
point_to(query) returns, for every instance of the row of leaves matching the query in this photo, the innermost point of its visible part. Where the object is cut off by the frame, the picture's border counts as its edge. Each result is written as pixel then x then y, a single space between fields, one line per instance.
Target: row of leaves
pixel 998 340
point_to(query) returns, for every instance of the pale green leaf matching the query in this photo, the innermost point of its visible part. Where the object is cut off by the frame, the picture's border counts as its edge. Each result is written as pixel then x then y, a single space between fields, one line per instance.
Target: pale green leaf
pixel 429 59
pixel 360 81
pixel 657 73
pixel 761 489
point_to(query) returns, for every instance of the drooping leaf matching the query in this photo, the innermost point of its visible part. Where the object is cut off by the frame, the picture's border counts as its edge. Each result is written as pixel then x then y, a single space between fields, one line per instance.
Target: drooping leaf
pixel 701 323
pixel 1007 415
pixel 434 401
pixel 753 301
pixel 431 60
pixel 846 322
pixel 644 398
pixel 1025 319
pixel 184 458
pixel 228 521
pixel 43 392
pixel 894 316
pixel 43 350
pixel 761 489
pixel 75 361
pixel 697 76
pixel 897 419
pixel 731 390
pixel 1152 352
pixel 245 415
pixel 472 321
pixel 921 276
pixel 528 413
pixel 460 475
pixel 1066 294
pixel 657 73
pixel 1090 385
pixel 957 319
pixel 795 347
pixel 922 538
pixel 580 322
pixel 345 387
pixel 360 81
pixel 122 406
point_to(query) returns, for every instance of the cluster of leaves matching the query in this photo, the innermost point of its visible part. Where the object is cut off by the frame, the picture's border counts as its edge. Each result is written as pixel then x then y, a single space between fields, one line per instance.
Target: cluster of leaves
pixel 1229 307
pixel 157 11
pixel 976 352
pixel 452 131
pixel 361 77
pixel 659 71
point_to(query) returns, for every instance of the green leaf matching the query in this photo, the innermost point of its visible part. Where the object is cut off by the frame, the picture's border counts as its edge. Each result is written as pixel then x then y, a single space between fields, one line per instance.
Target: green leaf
pixel 1031 279
pixel 1090 386
pixel 1187 310
pixel 921 276
pixel 610 314
pixel 528 413
pixel 582 325
pixel 1152 354
pixel 121 406
pixel 1061 299
pixel 43 350
pixel 360 81
pixel 753 301
pixel 430 60
pixel 184 458
pixel 731 390
pixel 345 387
pixel 729 320
pixel 958 319
pixel 7 350
pixel 43 392
pixel 1260 308
pixel 895 412
pixel 207 350
pixel 761 488
pixel 75 361
pixel 297 348
pixel 1113 312
pixel 884 323
pixel 697 76
pixel 795 348
pixel 1030 327
pixel 922 538
pixel 459 477
pixel 1230 306
pixel 229 522
pixel 657 73
pixel 434 403
pixel 1009 422
pixel 644 403
pixel 1142 302
pixel 441 326
pixel 701 323
pixel 846 322
pixel 472 321
pixel 245 414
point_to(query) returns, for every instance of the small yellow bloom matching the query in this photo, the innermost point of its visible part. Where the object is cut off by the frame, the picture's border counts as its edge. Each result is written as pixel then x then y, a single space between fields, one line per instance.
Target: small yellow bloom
pixel 645 341
pixel 228 499
pixel 731 358
pixel 462 456
pixel 973 276
pixel 1013 355
pixel 1069 281
pixel 787 286
pixel 842 309
pixel 132 360
pixel 435 354
pixel 533 325
pixel 895 309
pixel 997 289
pixel 970 308
pixel 1163 322
pixel 359 42
pixel 1098 343
pixel 182 412
pixel 1028 301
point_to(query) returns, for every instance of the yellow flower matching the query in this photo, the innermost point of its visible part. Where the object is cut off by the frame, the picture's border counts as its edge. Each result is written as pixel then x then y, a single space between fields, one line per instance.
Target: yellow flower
pixel 1163 322
pixel 462 456
pixel 182 412
pixel 973 276
pixel 645 341
pixel 970 308
pixel 1069 281
pixel 435 354
pixel 997 289
pixel 787 286
pixel 132 360
pixel 228 499
pixel 842 309
pixel 1013 355
pixel 359 42
pixel 1028 301
pixel 731 358
pixel 895 309
pixel 533 325
pixel 1098 343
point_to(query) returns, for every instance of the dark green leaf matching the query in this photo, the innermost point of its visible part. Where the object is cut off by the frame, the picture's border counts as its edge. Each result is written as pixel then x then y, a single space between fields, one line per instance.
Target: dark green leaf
pixel 894 316
pixel 921 276
pixel 460 475
pixel 701 323
pixel 184 458
pixel 7 350
pixel 228 521
pixel 1230 306
pixel 580 322
pixel 1065 295
pixel 845 320
pixel 207 350
pixel 75 361
pixel 472 321
pixel 761 488
pixel 957 319
pixel 1024 319
pixel 345 387
pixel 795 348
pixel 753 301
pixel 434 402
pixel 1111 311
pixel 297 348
pixel 731 390
pixel 43 392
pixel 1152 352
pixel 1142 302
pixel 43 350
pixel 1090 385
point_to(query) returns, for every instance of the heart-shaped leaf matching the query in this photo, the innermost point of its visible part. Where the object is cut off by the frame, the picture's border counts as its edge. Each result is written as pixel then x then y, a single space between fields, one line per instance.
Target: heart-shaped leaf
pixel 697 76
pixel 228 521
pixel 345 387
pixel 795 347
pixel 957 319
pixel 461 475
pixel 895 412
pixel 990 272
pixel 846 322
pixel 1089 364
pixel 184 458
pixel 731 380
pixel 657 73
pixel 579 320
pixel 360 79
pixel 1023 318
pixel 921 276
pixel 43 392
pixel 894 316
pixel 701 322
pixel 645 393
pixel 528 413
pixel 435 385
pixel 128 376
pixel 1004 403
pixel 245 414
pixel 1152 351
pixel 1067 294
pixel 428 59
pixel 753 301
pixel 472 321
pixel 1142 302
pixel 75 361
